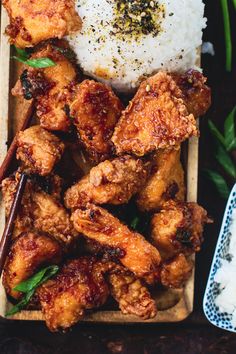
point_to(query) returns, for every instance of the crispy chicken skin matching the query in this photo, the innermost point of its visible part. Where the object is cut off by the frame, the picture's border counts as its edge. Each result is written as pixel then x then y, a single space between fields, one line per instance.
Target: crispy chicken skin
pixel 155 118
pixel 195 93
pixel 51 88
pixel 29 252
pixel 176 272
pixel 95 110
pixel 79 286
pixel 129 247
pixel 33 21
pixel 39 150
pixel 178 227
pixel 132 296
pixel 38 210
pixel 110 182
pixel 165 182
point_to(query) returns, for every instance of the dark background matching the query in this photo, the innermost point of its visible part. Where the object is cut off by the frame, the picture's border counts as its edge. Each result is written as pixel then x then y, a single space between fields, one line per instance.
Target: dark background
pixel 194 335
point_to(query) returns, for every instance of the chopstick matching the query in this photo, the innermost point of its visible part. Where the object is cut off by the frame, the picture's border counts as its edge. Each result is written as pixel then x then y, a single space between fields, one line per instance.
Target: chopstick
pixel 12 150
pixel 5 240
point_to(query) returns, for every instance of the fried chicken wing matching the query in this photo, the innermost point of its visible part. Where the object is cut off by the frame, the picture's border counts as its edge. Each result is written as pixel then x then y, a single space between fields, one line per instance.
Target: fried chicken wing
pixel 95 110
pixel 33 21
pixel 156 118
pixel 39 150
pixel 28 253
pixel 79 286
pixel 165 182
pixel 39 210
pixel 132 296
pixel 51 88
pixel 176 272
pixel 195 93
pixel 178 227
pixel 110 182
pixel 131 248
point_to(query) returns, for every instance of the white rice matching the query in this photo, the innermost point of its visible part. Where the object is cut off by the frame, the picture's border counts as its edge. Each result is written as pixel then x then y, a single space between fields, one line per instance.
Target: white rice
pixel 226 277
pixel 174 48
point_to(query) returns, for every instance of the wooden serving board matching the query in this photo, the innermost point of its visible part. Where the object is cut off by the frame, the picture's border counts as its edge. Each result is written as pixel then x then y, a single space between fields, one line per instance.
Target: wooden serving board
pixel 173 305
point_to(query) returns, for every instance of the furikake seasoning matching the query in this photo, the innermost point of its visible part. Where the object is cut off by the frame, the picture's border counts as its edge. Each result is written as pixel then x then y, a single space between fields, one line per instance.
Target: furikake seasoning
pixel 137 17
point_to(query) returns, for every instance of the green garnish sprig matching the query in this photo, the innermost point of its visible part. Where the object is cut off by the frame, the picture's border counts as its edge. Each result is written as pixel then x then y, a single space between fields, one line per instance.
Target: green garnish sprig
pixel 24 57
pixel 225 144
pixel 29 287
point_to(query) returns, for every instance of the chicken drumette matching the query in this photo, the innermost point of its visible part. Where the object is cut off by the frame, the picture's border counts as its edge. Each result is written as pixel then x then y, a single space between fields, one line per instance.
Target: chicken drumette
pixel 33 21
pixel 95 110
pixel 29 252
pixel 178 228
pixel 51 87
pixel 166 181
pixel 39 150
pixel 110 182
pixel 39 210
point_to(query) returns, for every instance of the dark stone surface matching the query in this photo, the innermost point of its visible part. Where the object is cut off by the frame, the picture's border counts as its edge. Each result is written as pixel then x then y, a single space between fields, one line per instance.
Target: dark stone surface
pixel 195 335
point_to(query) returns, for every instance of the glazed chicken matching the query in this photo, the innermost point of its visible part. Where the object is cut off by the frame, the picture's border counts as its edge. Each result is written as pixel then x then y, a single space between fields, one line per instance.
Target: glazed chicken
pixel 29 252
pixel 155 118
pixel 95 110
pixel 51 88
pixel 39 150
pixel 33 21
pixel 178 227
pixel 195 93
pixel 129 247
pixel 133 297
pixel 39 210
pixel 165 182
pixel 176 272
pixel 81 285
pixel 110 182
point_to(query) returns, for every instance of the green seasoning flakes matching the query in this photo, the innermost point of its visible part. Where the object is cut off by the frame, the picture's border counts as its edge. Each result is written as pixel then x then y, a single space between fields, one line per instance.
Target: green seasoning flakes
pixel 136 17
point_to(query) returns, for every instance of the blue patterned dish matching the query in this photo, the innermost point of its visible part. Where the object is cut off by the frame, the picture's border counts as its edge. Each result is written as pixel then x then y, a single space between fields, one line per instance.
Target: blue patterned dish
pixel 219 319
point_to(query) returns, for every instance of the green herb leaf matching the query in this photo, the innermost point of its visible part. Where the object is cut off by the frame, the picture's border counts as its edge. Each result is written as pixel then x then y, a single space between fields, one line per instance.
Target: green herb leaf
pixel 227 32
pixel 21 305
pixel 217 134
pixel 225 161
pixel 67 52
pixel 219 183
pixel 134 223
pixel 30 285
pixel 36 63
pixel 234 3
pixel 22 53
pixel 229 130
pixel 37 279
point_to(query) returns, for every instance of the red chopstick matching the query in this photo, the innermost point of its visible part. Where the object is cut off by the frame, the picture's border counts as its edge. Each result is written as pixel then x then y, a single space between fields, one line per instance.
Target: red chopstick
pixel 9 227
pixel 12 150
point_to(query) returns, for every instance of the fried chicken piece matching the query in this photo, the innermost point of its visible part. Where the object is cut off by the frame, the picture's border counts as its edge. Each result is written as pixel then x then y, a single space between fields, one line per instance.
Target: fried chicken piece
pixel 155 118
pixel 51 88
pixel 39 210
pixel 110 182
pixel 79 286
pixel 129 247
pixel 39 150
pixel 28 253
pixel 132 296
pixel 178 228
pixel 33 21
pixel 166 181
pixel 95 110
pixel 195 93
pixel 176 272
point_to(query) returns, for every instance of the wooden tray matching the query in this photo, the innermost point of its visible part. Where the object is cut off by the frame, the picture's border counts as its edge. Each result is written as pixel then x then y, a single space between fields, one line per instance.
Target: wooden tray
pixel 173 305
